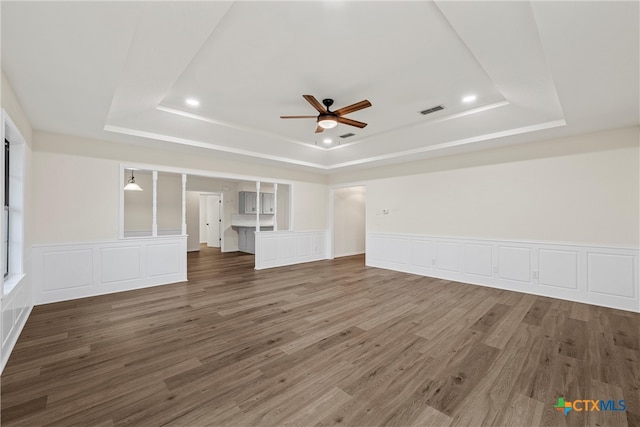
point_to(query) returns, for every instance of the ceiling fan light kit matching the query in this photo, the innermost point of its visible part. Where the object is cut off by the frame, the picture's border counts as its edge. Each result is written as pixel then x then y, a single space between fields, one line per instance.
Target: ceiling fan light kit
pixel 328 119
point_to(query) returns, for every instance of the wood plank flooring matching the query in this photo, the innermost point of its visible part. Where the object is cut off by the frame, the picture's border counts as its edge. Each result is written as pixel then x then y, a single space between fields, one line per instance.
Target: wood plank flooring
pixel 321 344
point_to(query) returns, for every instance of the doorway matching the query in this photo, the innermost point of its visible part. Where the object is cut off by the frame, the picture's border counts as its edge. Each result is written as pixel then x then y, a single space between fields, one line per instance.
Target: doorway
pixel 348 220
pixel 211 220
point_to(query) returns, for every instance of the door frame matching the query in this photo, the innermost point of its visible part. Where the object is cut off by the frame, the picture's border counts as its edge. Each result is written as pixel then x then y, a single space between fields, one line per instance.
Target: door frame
pixel 330 238
pixel 221 213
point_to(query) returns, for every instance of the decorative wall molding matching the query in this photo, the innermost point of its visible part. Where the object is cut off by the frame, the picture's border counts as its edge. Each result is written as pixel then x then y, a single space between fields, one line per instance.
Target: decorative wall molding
pixel 16 307
pixel 69 271
pixel 592 274
pixel 149 232
pixel 279 248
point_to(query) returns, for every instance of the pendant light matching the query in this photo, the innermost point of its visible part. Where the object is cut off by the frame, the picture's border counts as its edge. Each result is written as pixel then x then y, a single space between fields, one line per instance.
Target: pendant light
pixel 131 184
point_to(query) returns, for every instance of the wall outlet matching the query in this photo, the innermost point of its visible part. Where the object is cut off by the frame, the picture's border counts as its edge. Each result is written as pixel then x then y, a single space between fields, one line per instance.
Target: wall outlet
pixel 535 275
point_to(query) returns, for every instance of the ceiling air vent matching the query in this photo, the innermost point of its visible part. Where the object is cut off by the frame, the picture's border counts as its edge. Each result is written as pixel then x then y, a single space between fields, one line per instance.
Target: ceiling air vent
pixel 431 110
pixel 347 135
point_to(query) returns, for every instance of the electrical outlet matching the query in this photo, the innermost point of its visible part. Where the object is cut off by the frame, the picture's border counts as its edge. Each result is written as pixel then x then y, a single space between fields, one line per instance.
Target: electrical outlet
pixel 535 275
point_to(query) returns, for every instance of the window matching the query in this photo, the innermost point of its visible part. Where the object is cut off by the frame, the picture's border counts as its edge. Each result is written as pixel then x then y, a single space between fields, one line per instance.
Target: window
pixel 13 213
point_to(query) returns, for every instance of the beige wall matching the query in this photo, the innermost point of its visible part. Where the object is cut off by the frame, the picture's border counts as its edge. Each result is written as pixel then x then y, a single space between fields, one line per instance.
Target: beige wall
pixel 309 207
pixel 76 193
pixel 578 189
pixel 193 220
pixel 283 207
pixel 75 199
pixel 349 206
pixel 161 153
pixel 169 202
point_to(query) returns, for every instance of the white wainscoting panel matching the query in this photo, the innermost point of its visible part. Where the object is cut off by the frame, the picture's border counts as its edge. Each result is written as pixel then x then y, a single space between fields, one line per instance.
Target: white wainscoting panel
pixel 162 259
pixel 67 269
pixel 593 274
pixel 478 259
pixel 558 268
pixel 70 271
pixel 287 247
pixel 279 248
pixel 422 253
pixel 120 264
pixel 305 246
pixel 398 251
pixel 611 274
pixel 15 307
pixel 448 256
pixel 514 263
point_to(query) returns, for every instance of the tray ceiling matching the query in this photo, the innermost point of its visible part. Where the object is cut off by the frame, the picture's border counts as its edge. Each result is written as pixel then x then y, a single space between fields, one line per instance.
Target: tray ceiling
pixel 123 71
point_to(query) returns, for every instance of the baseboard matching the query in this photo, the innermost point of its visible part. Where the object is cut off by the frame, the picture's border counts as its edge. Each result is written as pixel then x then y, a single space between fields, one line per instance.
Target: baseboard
pixel 348 254
pixel 593 274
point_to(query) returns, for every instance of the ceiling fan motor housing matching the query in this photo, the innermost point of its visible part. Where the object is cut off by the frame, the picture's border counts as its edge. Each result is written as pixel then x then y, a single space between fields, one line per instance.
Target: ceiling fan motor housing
pixel 328 119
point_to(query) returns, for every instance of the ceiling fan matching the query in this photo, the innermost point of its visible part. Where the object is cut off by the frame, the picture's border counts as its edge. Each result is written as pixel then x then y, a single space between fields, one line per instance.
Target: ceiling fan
pixel 328 119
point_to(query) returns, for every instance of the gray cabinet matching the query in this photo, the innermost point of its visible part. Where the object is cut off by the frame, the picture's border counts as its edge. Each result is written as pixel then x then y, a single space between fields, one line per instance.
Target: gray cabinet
pixel 246 240
pixel 266 203
pixel 249 202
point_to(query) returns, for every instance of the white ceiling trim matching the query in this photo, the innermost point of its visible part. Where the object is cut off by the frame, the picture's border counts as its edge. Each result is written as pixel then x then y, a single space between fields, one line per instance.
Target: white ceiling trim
pixel 406 153
pixel 429 122
pixel 232 125
pixel 451 144
pixel 200 144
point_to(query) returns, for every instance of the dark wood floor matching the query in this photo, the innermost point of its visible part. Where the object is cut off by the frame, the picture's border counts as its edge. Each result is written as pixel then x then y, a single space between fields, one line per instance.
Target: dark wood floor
pixel 319 344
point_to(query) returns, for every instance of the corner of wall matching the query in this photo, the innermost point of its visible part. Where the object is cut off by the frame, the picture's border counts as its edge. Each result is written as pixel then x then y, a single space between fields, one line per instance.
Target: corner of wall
pixel 16 305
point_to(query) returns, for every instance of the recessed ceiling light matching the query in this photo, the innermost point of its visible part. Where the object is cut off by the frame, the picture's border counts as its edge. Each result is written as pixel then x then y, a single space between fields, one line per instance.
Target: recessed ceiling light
pixel 327 140
pixel 192 102
pixel 469 98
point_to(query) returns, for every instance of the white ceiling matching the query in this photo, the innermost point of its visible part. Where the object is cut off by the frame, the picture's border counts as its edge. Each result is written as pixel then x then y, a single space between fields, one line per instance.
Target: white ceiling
pixel 121 71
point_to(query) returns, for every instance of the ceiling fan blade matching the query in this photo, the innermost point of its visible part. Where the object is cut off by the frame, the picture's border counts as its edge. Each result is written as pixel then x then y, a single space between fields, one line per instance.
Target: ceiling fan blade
pixel 319 129
pixel 298 117
pixel 353 107
pixel 314 102
pixel 350 122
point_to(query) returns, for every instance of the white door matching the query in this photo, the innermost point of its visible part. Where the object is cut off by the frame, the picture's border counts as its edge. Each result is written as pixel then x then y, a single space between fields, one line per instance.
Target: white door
pixel 213 221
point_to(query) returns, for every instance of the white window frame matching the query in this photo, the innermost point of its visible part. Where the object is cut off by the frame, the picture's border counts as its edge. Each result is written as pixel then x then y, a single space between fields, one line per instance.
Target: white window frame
pixel 17 152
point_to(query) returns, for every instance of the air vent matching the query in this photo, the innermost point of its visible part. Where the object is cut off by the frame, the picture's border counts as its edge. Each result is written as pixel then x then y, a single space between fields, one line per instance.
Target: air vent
pixel 431 110
pixel 347 135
